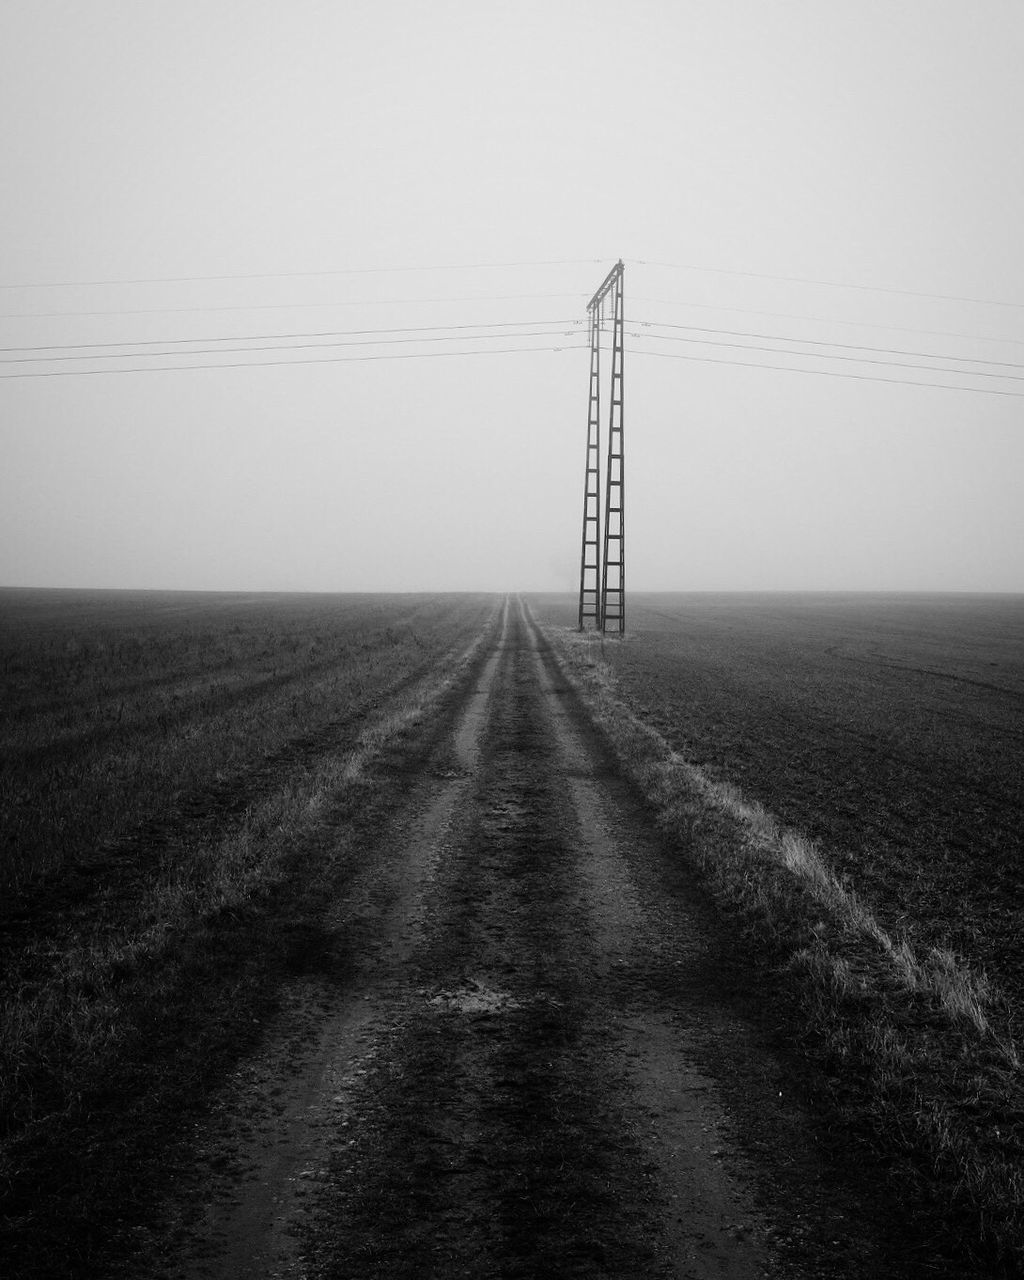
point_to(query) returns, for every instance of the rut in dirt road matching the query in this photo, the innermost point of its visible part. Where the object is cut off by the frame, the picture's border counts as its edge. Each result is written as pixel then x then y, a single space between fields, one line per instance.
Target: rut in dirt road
pixel 504 1133
pixel 535 1066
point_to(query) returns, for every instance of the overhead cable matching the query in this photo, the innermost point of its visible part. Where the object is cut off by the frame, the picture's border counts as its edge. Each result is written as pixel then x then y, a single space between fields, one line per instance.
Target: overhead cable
pixel 825 373
pixel 828 284
pixel 852 324
pixel 297 275
pixel 813 342
pixel 260 364
pixel 291 346
pixel 268 337
pixel 818 355
pixel 282 306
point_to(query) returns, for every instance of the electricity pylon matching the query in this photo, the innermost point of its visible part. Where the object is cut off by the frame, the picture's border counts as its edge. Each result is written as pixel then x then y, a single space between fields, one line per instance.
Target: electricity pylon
pixel 603 566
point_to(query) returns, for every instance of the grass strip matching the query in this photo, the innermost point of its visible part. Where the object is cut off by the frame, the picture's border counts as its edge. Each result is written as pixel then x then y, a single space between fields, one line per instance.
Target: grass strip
pixel 919 1044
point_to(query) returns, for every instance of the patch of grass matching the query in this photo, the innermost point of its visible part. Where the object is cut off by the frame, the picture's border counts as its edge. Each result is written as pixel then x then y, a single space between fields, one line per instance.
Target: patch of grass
pixel 885 728
pixel 922 1038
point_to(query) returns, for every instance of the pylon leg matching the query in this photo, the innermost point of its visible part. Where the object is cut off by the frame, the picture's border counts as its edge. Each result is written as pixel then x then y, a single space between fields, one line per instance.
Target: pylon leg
pixel 590 567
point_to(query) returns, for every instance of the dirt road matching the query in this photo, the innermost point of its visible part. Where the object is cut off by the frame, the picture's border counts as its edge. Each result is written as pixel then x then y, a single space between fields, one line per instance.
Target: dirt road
pixel 524 1046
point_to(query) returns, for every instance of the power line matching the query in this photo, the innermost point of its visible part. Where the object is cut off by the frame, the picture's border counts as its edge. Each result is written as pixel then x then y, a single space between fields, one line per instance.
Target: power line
pixel 259 364
pixel 506 297
pixel 280 306
pixel 268 337
pixel 828 284
pixel 294 346
pixel 812 342
pixel 817 355
pixel 826 373
pixel 855 324
pixel 297 275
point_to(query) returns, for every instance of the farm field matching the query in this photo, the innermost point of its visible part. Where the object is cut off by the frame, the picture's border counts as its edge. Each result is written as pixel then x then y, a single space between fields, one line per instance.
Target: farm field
pixel 163 757
pixel 337 938
pixel 122 706
pixel 888 729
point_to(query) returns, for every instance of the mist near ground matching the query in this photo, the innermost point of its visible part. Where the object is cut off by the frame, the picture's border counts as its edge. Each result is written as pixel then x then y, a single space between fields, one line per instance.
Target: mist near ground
pixel 818 205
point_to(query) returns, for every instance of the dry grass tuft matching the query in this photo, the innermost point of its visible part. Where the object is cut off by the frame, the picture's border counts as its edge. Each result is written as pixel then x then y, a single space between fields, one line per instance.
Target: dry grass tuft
pixel 678 786
pixel 927 1029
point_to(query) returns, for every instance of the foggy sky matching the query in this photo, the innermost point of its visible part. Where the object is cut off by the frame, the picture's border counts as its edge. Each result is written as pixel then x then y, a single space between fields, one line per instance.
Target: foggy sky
pixel 869 144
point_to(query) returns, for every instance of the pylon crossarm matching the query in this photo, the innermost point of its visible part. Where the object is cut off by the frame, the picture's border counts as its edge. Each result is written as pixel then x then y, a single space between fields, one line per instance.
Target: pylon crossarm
pixel 606 285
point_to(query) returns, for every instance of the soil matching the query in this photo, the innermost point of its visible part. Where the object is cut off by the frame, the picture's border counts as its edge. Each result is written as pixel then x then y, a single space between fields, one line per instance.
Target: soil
pixel 523 1044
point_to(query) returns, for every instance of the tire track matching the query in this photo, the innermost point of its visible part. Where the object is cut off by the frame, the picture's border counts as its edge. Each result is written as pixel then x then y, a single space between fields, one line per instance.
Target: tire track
pixel 714 1229
pixel 528 1063
pixel 273 1131
pixel 491 1141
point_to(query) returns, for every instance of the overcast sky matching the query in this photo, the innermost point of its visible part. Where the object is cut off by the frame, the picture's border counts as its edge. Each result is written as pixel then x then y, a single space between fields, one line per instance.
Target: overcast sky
pixel 350 164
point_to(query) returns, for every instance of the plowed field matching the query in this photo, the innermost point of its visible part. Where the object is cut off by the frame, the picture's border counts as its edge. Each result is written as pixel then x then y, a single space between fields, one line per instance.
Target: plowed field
pixel 414 987
pixel 890 729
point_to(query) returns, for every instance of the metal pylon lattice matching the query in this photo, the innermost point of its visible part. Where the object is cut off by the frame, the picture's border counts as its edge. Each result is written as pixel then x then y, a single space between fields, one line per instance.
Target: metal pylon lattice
pixel 590 554
pixel 613 578
pixel 603 564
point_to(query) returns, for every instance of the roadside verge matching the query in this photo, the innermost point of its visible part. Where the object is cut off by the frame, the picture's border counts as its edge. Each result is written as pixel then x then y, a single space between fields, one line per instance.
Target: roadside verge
pixel 917 1046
